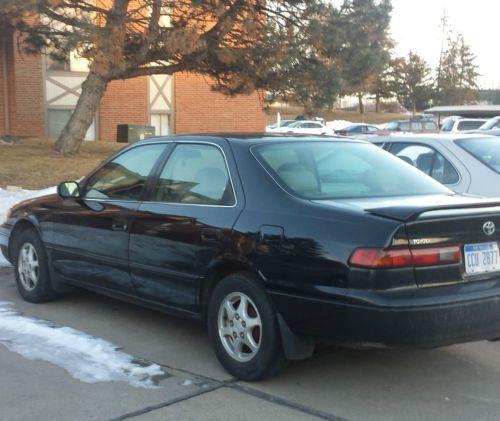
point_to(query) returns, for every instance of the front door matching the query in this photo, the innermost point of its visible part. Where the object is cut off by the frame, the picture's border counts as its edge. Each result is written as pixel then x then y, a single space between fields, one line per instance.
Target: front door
pixel 91 236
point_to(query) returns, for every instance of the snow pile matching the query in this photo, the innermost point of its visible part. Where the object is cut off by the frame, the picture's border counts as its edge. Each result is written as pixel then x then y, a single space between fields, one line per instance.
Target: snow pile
pixel 338 124
pixel 84 357
pixel 9 198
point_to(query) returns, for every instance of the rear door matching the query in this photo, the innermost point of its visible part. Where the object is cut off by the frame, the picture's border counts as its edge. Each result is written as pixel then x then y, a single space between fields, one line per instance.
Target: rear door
pixel 185 225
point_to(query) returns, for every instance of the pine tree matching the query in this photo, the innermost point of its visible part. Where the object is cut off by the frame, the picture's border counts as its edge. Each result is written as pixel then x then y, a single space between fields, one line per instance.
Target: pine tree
pixel 363 54
pixel 413 82
pixel 458 75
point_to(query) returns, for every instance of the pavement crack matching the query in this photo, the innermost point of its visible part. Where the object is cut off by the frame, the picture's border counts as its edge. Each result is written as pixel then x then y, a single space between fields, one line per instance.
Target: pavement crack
pixel 285 402
pixel 167 403
pixel 233 384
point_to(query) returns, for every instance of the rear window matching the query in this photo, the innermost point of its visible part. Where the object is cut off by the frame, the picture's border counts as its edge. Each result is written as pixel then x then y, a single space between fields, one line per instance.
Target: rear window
pixel 487 150
pixel 469 125
pixel 331 170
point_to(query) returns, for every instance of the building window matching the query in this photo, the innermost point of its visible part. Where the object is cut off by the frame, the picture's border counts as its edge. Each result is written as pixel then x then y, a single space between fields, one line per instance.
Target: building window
pixel 57 65
pixel 71 63
pixel 161 123
pixel 57 119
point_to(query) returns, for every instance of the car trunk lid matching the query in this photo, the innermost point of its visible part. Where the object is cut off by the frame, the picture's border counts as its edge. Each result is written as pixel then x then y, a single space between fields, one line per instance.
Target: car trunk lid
pixel 438 224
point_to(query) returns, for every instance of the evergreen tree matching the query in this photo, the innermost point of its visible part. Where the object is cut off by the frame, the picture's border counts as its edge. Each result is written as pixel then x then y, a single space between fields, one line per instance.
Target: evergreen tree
pixel 458 74
pixel 413 82
pixel 362 53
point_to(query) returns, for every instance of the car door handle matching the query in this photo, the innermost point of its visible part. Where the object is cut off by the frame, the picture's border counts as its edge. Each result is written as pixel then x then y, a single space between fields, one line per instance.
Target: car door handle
pixel 119 225
pixel 211 234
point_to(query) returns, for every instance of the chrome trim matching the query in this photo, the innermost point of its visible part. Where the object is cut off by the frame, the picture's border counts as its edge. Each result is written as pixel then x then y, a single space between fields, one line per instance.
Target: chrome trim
pixel 466 211
pixel 173 203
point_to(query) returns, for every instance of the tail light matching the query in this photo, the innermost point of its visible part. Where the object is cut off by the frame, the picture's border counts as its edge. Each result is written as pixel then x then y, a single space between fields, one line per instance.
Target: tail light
pixel 393 258
pixel 342 133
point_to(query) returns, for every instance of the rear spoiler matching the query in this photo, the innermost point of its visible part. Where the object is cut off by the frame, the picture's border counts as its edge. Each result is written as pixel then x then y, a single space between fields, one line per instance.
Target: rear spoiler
pixel 411 213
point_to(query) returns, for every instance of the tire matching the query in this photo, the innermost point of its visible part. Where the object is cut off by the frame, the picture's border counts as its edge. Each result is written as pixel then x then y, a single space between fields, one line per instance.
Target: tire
pixel 243 328
pixel 31 268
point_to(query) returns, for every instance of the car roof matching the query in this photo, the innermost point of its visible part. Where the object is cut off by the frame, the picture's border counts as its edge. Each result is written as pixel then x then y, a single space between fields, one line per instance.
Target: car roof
pixel 249 138
pixel 445 137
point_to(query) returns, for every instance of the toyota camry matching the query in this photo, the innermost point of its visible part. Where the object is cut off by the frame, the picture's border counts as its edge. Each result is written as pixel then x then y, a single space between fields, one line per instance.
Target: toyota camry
pixel 277 243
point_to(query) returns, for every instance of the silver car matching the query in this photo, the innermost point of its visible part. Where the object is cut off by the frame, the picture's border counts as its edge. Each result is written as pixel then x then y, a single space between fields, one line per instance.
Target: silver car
pixel 465 163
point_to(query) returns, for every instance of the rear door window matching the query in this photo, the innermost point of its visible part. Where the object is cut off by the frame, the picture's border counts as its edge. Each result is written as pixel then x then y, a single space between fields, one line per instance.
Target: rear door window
pixel 427 160
pixel 195 174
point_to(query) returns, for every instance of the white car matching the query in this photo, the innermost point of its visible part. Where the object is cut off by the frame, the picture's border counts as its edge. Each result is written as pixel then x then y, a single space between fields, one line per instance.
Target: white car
pixel 459 124
pixel 283 123
pixel 305 127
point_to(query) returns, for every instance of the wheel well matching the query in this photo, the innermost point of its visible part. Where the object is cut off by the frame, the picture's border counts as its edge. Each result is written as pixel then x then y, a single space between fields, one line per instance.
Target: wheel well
pixel 214 276
pixel 21 226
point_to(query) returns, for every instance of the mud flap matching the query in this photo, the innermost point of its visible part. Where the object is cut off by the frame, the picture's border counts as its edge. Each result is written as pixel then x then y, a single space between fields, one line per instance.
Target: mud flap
pixel 295 348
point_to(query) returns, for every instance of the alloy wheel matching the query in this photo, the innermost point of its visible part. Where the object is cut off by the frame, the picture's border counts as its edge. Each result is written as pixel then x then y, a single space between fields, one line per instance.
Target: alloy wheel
pixel 28 267
pixel 240 326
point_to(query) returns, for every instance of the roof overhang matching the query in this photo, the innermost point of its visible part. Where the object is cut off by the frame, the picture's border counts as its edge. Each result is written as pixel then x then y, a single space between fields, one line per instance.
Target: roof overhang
pixel 486 111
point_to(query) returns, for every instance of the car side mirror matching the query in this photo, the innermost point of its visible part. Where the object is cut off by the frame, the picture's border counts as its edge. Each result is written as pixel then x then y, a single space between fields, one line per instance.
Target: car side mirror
pixel 68 190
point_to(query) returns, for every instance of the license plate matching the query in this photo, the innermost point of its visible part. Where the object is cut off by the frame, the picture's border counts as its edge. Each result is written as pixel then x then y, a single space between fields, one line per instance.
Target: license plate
pixel 481 258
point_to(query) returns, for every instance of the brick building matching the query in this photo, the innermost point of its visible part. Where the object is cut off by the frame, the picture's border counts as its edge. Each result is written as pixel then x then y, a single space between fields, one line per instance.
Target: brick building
pixel 37 97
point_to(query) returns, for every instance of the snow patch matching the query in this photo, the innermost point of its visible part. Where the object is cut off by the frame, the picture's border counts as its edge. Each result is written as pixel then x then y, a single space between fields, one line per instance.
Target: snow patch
pixel 9 198
pixel 338 124
pixel 84 357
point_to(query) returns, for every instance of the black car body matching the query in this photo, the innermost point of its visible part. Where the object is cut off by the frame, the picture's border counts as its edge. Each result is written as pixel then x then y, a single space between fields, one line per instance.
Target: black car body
pixel 363 268
pixel 357 129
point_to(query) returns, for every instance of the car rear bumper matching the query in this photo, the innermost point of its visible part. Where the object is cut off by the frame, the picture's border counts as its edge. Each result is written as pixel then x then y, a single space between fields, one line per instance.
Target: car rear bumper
pixel 422 320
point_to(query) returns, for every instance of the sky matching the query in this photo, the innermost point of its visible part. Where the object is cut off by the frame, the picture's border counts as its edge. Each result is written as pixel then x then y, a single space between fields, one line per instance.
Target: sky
pixel 416 26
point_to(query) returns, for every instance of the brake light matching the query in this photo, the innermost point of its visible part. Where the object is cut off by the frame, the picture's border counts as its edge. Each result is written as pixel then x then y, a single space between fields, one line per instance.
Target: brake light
pixel 342 133
pixel 394 258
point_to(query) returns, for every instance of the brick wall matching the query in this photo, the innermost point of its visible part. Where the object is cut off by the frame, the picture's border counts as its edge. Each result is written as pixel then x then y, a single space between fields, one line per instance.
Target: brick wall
pixel 2 93
pixel 125 102
pixel 26 105
pixel 198 109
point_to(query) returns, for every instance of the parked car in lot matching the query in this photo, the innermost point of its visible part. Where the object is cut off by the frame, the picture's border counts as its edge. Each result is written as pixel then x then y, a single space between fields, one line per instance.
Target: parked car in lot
pixel 283 123
pixel 419 125
pixel 276 243
pixel 459 124
pixel 305 127
pixel 356 130
pixel 465 163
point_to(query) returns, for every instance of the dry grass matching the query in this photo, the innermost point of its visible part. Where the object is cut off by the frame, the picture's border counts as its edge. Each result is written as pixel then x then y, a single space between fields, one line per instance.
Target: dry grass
pixel 33 164
pixel 353 116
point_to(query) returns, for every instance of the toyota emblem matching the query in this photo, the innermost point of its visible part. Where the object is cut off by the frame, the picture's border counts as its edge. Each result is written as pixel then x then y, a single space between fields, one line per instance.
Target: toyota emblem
pixel 489 228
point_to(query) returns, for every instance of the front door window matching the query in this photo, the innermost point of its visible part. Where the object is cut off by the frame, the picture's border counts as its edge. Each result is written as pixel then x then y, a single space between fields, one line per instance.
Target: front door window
pixel 124 178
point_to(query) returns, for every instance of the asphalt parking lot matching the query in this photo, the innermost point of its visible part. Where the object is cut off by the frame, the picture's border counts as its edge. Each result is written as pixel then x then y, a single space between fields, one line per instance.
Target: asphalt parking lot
pixel 461 382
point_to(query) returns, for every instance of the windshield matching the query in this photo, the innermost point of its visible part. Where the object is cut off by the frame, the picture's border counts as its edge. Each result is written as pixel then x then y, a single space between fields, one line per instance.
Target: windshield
pixel 493 123
pixel 486 149
pixel 335 170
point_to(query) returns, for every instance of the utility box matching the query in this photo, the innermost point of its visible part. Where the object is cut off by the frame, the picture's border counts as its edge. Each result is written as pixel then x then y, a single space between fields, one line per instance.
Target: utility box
pixel 130 133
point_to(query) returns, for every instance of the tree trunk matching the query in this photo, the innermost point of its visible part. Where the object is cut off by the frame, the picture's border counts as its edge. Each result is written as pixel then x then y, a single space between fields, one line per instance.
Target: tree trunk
pixel 377 103
pixel 361 105
pixel 71 137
